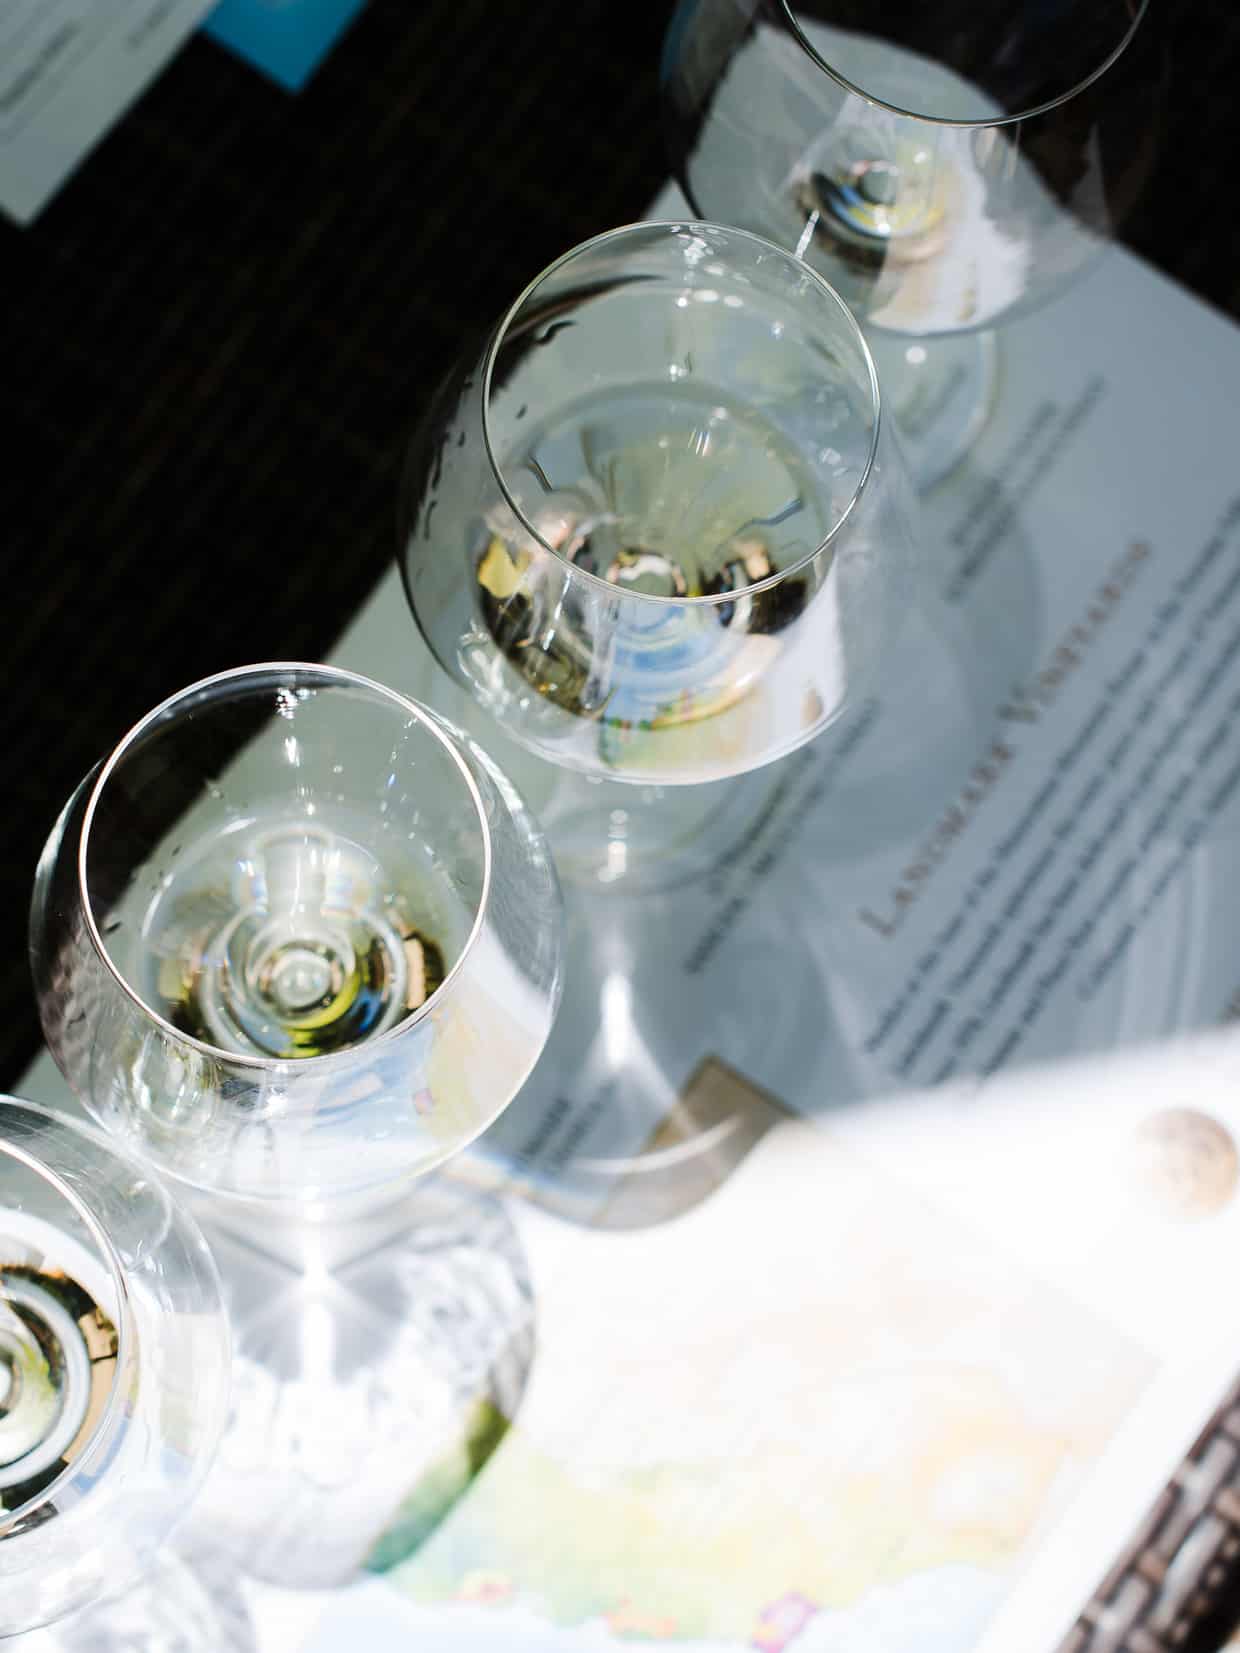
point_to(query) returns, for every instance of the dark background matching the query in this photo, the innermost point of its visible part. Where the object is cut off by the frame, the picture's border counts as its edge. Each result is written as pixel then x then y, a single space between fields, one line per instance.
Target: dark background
pixel 219 333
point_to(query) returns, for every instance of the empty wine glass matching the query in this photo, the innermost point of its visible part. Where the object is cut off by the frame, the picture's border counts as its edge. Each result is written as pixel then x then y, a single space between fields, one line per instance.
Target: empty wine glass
pixel 113 1366
pixel 947 167
pixel 297 942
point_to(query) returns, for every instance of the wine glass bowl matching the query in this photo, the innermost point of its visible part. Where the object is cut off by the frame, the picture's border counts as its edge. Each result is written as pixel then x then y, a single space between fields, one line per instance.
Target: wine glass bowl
pixel 947 168
pixel 656 527
pixel 944 167
pixel 113 1366
pixel 295 938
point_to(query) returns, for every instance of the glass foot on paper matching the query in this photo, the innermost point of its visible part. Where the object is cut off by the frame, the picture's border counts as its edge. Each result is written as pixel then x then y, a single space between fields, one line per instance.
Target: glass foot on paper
pixel 941 391
pixel 609 836
pixel 664 1069
pixel 190 1602
pixel 376 1366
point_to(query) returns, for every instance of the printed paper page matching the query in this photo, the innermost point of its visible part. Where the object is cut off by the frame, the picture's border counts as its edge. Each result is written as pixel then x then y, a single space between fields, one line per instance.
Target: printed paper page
pixel 70 69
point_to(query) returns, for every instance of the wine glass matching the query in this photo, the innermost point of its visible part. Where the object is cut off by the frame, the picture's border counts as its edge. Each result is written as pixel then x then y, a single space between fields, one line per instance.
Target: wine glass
pixel 296 941
pixel 114 1358
pixel 946 167
pixel 657 528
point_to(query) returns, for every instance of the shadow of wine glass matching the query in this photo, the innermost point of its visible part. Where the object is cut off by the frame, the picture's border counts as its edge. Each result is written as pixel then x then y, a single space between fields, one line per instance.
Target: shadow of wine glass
pixel 974 633
pixel 1089 915
pixel 640 1105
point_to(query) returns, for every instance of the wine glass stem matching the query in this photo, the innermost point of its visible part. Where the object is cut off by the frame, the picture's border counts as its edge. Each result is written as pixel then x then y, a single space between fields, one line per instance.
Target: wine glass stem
pixel 941 391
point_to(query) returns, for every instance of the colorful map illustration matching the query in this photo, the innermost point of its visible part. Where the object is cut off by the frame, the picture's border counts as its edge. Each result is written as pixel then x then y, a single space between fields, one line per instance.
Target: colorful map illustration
pixel 822 1414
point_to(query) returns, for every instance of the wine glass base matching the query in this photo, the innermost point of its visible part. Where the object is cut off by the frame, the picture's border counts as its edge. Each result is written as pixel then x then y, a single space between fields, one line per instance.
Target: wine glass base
pixel 376 1365
pixel 189 1602
pixel 940 391
pixel 626 839
pixel 643 1101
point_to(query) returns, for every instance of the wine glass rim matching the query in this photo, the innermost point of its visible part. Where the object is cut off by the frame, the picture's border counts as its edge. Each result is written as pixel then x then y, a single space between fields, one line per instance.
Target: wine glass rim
pixel 115 1267
pixel 340 677
pixel 974 125
pixel 669 226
